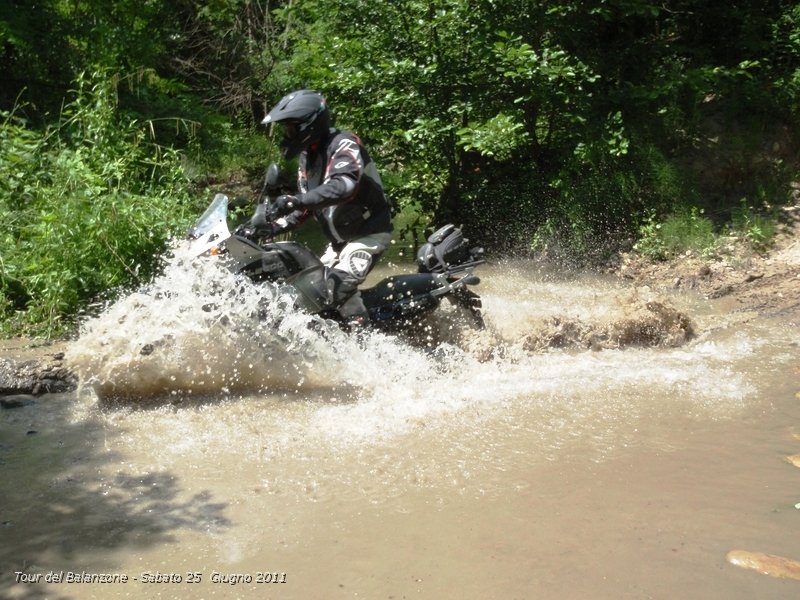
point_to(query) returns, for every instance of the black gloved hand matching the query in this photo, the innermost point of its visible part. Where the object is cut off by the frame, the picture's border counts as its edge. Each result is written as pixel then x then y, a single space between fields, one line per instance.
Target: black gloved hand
pixel 283 205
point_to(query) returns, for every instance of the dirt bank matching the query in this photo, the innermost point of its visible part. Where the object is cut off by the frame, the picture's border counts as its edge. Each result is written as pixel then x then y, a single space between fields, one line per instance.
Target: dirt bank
pixel 763 282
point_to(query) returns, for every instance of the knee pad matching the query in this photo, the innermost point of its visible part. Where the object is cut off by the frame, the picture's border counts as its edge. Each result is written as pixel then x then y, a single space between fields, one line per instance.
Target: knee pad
pixel 357 263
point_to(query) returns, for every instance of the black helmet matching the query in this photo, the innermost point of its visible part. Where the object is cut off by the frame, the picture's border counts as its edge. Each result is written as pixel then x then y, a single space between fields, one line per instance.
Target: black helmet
pixel 305 118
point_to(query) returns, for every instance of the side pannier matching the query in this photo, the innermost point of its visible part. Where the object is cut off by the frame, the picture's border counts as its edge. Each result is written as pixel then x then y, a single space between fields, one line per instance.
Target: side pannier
pixel 447 247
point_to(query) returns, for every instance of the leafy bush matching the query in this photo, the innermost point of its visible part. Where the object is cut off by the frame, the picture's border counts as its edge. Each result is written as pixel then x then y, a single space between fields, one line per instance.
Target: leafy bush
pixel 758 229
pixel 679 232
pixel 87 206
pixel 690 229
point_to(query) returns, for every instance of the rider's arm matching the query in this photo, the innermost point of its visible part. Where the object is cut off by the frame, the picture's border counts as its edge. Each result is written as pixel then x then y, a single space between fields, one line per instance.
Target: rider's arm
pixel 342 177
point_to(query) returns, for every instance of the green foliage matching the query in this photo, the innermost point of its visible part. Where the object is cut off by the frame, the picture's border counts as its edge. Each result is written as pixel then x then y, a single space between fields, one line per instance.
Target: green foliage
pixel 538 125
pixel 686 230
pixel 758 229
pixel 226 151
pixel 553 86
pixel 87 208
pixel 497 138
pixel 48 43
pixel 651 242
pixel 785 62
pixel 579 97
pixel 690 230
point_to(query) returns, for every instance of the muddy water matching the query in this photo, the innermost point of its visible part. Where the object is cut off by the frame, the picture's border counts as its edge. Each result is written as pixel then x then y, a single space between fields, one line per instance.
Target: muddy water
pixel 214 455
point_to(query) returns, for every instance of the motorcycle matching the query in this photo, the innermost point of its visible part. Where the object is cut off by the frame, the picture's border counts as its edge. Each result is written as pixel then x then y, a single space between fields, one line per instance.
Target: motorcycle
pixel 445 270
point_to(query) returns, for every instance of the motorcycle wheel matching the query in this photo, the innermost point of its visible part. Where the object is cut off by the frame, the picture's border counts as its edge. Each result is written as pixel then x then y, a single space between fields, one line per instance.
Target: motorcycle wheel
pixel 471 305
pixel 455 322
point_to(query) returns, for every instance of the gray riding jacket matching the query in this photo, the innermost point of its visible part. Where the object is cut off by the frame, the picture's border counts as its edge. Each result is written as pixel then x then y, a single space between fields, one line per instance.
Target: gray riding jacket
pixel 339 184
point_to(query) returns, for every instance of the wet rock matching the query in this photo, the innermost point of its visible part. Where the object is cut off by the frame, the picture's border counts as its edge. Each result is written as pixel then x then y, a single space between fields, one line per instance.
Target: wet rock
pixel 767 564
pixel 47 375
pixel 720 291
pixel 753 277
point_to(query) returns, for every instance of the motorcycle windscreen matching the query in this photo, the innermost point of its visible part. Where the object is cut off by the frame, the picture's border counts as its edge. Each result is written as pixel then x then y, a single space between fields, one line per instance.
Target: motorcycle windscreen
pixel 212 227
pixel 312 285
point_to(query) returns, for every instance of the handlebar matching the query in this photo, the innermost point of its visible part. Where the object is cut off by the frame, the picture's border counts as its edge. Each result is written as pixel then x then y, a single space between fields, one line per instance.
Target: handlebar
pixel 249 232
pixel 267 230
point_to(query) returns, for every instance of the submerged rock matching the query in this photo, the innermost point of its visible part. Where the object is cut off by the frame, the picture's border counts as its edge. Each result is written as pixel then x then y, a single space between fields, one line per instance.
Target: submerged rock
pixel 16 401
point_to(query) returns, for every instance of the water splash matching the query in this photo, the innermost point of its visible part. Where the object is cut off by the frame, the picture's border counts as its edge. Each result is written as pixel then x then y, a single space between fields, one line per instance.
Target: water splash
pixel 199 329
pixel 266 389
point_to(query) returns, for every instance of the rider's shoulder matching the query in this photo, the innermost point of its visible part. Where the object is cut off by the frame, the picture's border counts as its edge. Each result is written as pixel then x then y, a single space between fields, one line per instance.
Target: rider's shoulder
pixel 342 137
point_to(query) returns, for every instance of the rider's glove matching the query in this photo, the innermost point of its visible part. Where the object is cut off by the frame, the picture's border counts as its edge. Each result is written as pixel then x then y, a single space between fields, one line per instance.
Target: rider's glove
pixel 283 205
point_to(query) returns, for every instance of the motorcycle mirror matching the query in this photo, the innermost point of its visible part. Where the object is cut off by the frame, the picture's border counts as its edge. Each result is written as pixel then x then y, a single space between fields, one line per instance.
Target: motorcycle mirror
pixel 270 183
pixel 271 179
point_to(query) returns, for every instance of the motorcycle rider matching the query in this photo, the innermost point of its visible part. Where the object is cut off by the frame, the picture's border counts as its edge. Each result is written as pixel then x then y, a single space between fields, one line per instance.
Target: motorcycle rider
pixel 338 184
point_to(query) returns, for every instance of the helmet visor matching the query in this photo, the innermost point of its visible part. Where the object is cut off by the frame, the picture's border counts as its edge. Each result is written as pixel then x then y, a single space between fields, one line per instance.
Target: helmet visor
pixel 292 130
pixel 291 144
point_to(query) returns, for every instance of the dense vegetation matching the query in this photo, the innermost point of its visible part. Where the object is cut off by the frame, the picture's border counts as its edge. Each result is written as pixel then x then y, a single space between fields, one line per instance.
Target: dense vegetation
pixel 568 127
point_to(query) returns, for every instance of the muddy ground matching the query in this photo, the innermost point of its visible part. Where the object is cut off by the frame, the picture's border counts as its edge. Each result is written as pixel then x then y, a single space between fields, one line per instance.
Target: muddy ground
pixel 748 284
pixel 766 282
